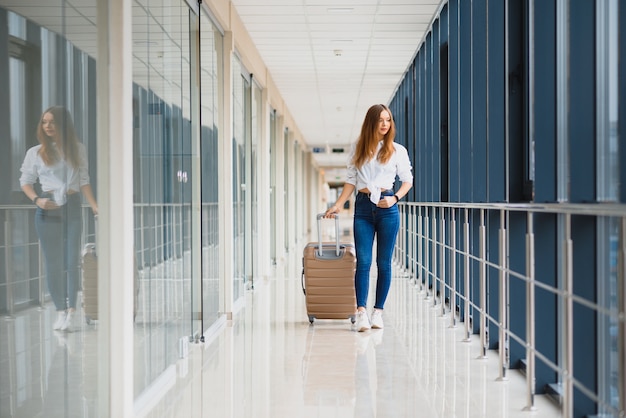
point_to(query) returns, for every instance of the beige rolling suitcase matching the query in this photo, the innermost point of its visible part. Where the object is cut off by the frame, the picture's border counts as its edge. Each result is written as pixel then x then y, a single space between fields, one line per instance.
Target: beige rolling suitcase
pixel 90 282
pixel 328 277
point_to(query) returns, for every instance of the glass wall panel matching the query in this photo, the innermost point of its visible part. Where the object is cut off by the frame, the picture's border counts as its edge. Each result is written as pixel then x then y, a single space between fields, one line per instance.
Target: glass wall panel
pixel 255 175
pixel 48 350
pixel 210 82
pixel 241 103
pixel 273 190
pixel 162 184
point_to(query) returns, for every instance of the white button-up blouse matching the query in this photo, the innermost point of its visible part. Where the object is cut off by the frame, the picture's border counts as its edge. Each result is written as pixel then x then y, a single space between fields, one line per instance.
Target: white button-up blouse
pixel 376 176
pixel 58 178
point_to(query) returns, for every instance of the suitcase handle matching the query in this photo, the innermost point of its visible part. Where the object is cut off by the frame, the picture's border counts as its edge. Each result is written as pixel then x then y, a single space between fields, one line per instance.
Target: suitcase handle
pixel 320 216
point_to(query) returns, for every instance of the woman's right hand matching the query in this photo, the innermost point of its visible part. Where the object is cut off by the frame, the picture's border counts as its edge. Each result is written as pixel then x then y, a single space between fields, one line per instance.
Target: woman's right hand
pixel 331 212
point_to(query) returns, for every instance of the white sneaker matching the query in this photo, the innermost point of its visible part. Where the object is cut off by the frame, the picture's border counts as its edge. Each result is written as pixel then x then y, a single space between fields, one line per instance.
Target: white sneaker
pixel 60 320
pixel 67 325
pixel 377 319
pixel 362 321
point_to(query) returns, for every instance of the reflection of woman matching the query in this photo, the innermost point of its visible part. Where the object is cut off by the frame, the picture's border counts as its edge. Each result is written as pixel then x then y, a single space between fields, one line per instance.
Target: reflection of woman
pixel 375 162
pixel 59 162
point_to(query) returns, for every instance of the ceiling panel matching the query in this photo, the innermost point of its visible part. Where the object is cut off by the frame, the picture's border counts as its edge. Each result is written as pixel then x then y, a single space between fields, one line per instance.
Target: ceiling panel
pixel 348 55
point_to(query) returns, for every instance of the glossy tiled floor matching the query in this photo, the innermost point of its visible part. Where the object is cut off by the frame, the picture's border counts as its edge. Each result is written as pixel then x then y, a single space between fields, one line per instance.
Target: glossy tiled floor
pixel 270 363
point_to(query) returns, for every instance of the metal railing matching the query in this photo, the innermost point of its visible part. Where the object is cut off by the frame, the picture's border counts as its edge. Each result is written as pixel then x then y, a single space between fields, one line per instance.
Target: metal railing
pixel 437 255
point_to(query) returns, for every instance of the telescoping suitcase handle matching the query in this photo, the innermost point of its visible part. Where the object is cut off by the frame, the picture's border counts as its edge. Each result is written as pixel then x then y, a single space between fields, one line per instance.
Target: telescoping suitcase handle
pixel 320 251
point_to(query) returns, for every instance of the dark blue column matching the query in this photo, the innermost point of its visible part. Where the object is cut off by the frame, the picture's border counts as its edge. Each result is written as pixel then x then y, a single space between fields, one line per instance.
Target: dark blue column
pixel 582 99
pixel 428 113
pixel 465 89
pixel 414 126
pixel 496 85
pixel 436 117
pixel 454 175
pixel 544 109
pixel 479 101
pixel 421 123
pixel 444 100
pixel 517 98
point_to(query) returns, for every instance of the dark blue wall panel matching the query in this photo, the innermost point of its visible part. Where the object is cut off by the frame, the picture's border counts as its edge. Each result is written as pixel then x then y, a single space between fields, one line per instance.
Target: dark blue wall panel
pixel 517 128
pixel 465 88
pixel 453 94
pixel 545 302
pixel 478 170
pixel 585 331
pixel 428 111
pixel 517 287
pixel 496 110
pixel 544 111
pixel 582 95
pixel 436 118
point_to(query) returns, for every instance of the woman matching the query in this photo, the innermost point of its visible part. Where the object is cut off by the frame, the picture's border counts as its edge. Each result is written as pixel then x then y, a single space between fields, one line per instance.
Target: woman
pixel 374 163
pixel 59 163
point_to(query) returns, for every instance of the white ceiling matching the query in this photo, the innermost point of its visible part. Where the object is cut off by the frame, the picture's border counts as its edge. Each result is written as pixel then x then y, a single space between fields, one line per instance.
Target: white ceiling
pixel 333 59
pixel 330 59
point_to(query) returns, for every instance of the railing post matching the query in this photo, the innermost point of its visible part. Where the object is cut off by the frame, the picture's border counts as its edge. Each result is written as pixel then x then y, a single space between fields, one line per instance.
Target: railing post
pixel 568 318
pixel 420 237
pixel 484 338
pixel 426 264
pixel 40 277
pixel 412 264
pixel 530 314
pixel 453 268
pixel 397 250
pixel 442 259
pixel 433 265
pixel 466 290
pixel 503 345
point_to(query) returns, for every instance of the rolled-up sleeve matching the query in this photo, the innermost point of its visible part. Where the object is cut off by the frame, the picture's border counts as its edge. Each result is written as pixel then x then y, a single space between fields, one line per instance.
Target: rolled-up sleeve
pixel 29 168
pixel 351 175
pixel 405 173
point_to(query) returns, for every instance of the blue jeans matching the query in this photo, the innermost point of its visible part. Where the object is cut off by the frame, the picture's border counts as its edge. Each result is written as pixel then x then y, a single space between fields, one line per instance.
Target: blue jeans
pixel 60 232
pixel 383 223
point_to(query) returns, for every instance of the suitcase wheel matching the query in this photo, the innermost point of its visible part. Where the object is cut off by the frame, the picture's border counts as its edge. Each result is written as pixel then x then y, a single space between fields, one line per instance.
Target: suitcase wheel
pixel 311 319
pixel 352 318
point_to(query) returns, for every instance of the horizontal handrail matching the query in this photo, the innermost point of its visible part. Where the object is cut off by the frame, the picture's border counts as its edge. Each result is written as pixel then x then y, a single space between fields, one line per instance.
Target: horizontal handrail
pixel 435 236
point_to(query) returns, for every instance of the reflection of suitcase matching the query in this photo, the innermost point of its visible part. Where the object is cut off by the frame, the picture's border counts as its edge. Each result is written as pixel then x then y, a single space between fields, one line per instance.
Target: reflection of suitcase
pixel 328 277
pixel 90 283
pixel 332 381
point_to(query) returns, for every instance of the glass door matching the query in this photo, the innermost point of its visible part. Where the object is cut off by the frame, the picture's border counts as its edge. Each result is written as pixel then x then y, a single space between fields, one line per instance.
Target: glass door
pixel 162 185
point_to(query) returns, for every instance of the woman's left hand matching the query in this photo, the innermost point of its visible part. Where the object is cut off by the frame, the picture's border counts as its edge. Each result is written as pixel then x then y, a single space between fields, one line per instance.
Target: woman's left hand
pixel 387 202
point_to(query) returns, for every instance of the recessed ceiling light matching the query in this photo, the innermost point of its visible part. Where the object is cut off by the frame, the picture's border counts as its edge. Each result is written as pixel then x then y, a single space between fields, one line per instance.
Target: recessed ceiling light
pixel 340 9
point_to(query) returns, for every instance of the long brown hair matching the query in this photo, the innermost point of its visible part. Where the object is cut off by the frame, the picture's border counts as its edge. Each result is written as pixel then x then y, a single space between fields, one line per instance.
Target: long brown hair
pixel 66 138
pixel 368 141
